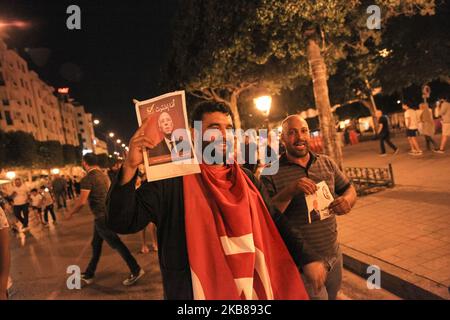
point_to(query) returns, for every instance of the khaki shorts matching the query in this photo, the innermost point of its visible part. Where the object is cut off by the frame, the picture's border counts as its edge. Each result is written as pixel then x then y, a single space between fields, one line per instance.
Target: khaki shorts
pixel 446 129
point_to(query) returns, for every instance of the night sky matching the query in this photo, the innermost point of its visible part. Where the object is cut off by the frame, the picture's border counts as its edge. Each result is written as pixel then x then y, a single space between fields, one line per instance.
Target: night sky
pixel 117 55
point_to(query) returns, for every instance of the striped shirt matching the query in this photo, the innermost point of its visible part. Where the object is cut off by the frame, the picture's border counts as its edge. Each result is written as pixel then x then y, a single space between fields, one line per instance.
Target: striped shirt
pixel 320 235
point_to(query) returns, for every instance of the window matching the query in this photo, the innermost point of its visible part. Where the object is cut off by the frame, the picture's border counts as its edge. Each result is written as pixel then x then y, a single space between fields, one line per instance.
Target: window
pixel 2 81
pixel 5 102
pixel 1 116
pixel 21 83
pixel 82 130
pixel 29 119
pixel 79 114
pixel 81 123
pixel 9 121
pixel 45 124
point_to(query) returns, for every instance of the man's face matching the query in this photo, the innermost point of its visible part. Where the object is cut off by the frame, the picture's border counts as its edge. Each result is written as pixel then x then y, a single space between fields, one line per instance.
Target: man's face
pixel 165 124
pixel 405 107
pixel 295 137
pixel 18 182
pixel 219 121
pixel 84 165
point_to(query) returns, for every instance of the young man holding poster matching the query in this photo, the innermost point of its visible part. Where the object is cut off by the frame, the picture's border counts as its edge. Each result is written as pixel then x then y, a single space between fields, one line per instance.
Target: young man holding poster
pixel 217 233
pixel 299 175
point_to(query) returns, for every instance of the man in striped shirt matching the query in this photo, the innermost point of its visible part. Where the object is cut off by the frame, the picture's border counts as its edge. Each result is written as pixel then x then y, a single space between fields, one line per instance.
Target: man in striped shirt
pixel 299 172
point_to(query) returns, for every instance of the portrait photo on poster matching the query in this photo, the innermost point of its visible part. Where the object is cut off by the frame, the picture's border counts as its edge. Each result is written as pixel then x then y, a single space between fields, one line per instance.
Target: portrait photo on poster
pixel 319 202
pixel 173 152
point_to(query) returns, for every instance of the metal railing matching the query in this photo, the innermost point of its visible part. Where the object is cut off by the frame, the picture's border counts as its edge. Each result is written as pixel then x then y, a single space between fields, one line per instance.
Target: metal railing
pixel 370 180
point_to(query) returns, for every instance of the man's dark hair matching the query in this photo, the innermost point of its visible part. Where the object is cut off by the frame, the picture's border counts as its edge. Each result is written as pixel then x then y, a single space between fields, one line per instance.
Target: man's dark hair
pixel 90 159
pixel 209 107
pixel 34 190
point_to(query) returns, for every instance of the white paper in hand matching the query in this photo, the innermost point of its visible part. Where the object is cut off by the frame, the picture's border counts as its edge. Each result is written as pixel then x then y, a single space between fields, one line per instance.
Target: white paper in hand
pixel 319 202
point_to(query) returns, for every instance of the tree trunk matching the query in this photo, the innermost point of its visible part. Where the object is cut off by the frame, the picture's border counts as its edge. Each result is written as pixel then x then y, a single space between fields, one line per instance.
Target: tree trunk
pixel 372 109
pixel 332 146
pixel 234 109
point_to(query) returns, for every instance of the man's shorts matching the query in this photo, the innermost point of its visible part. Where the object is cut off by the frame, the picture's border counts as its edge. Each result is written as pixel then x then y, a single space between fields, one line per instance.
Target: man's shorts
pixel 446 129
pixel 412 133
pixel 38 209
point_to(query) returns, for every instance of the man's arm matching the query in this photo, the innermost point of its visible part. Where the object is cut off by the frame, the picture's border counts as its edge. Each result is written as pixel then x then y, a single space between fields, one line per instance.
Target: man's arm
pixel 129 210
pixel 79 203
pixel 380 128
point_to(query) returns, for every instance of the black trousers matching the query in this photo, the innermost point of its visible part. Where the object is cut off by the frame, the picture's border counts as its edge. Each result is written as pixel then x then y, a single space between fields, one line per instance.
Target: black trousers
pixel 52 213
pixel 21 212
pixel 387 139
pixel 101 232
pixel 61 196
pixel 430 142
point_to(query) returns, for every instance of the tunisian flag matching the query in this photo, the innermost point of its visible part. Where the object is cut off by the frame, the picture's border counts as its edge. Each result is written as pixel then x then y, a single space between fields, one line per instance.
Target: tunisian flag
pixel 235 250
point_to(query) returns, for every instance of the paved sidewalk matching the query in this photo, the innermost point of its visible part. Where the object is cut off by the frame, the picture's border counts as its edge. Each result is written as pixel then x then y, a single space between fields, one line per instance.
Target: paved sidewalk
pixel 407 226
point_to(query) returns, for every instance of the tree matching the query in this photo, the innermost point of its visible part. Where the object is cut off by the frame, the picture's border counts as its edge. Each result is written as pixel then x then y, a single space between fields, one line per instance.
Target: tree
pixel 418 49
pixel 49 154
pixel 71 154
pixel 20 149
pixel 223 48
pixel 324 33
pixel 214 59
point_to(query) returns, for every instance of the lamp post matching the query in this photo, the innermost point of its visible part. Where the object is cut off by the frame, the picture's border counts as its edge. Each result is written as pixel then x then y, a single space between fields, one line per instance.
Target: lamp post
pixel 264 104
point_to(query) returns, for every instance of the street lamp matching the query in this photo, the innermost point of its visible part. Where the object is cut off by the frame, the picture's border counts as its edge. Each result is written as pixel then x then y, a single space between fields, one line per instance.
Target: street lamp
pixel 123 145
pixel 263 104
pixel 111 134
pixel 96 121
pixel 118 141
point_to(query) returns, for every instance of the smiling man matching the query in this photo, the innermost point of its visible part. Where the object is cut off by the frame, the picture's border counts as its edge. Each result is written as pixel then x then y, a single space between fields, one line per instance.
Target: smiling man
pixel 299 171
pixel 218 235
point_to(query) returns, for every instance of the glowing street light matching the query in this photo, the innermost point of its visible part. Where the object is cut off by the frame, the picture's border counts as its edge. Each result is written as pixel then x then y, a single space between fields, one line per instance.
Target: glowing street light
pixel 123 145
pixel 398 101
pixel 55 171
pixel 263 104
pixel 119 141
pixel 96 121
pixel 10 175
pixel 111 134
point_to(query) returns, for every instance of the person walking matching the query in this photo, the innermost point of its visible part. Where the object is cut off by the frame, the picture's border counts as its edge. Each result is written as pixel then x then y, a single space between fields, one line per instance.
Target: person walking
pixel 94 188
pixel 47 205
pixel 20 203
pixel 427 126
pixel 384 133
pixel 444 113
pixel 70 192
pixel 412 131
pixel 59 187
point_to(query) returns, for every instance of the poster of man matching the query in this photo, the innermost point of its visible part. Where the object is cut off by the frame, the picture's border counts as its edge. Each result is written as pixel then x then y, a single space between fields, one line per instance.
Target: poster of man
pixel 319 202
pixel 167 128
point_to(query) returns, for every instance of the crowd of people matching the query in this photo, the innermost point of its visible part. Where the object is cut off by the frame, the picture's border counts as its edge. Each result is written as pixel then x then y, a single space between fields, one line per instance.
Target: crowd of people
pixel 225 233
pixel 418 122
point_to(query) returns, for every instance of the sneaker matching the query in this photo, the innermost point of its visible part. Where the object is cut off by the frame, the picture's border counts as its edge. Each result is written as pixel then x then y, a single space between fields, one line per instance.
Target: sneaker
pixel 25 229
pixel 133 278
pixel 87 279
pixel 439 151
pixel 396 151
pixel 383 154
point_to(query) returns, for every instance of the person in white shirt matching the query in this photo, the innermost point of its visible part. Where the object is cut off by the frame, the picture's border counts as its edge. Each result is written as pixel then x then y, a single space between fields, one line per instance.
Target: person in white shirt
pixel 47 205
pixel 444 113
pixel 412 129
pixel 20 202
pixel 36 204
pixel 5 256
